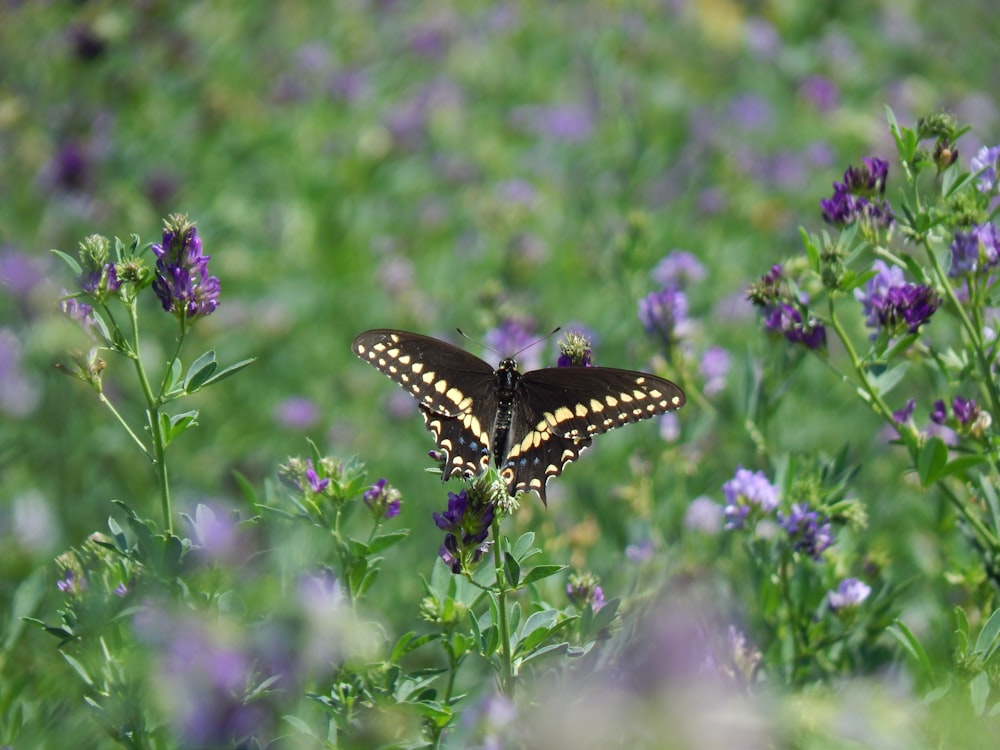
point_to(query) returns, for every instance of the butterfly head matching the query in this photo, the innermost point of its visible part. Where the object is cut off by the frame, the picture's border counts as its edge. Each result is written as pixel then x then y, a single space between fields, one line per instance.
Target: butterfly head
pixel 507 364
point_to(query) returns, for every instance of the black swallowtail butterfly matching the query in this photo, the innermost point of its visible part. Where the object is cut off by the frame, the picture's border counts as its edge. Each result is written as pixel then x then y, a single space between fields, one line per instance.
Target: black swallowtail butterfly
pixel 531 424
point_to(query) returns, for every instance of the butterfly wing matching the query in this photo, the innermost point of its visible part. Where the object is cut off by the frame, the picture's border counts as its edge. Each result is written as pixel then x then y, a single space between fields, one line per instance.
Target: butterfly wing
pixel 557 412
pixel 456 392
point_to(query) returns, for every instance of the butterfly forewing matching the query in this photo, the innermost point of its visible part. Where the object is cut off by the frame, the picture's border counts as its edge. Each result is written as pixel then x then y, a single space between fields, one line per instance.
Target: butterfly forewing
pixel 455 391
pixel 559 410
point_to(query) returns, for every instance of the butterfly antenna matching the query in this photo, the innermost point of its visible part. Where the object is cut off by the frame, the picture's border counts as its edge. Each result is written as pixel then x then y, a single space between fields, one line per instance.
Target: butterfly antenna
pixel 539 340
pixel 553 332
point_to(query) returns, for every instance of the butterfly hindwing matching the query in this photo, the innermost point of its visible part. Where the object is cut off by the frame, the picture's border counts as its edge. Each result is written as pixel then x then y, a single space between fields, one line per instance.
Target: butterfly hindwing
pixel 455 391
pixel 559 410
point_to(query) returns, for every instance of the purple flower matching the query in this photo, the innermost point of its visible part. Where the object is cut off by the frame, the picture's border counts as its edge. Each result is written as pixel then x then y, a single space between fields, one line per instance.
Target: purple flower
pixel 182 281
pixel 860 196
pixel 19 390
pixel 821 92
pixel 467 523
pixel 751 112
pixel 101 282
pixel 70 583
pixel 975 250
pixel 566 122
pixel 939 413
pixel 965 410
pixel 382 499
pixel 892 304
pixel 79 311
pixel 849 595
pixel 204 676
pixel 901 416
pixel 714 368
pixel 640 552
pixel 296 413
pixel 984 163
pixel 316 484
pixel 664 314
pixel 809 533
pixel 678 269
pixel 746 491
pixel 785 319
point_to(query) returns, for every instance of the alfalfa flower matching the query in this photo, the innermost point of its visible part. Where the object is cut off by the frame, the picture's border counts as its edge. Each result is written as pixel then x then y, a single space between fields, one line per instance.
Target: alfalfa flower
pixel 893 305
pixel 467 523
pixel 182 281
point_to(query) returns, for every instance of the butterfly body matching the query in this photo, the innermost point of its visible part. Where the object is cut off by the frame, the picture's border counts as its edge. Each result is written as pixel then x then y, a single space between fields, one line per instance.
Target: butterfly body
pixel 531 425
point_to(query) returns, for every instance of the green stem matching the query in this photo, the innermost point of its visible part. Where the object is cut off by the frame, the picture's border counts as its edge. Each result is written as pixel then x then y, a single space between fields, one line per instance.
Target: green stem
pixel 973 331
pixel 506 661
pixel 138 441
pixel 153 414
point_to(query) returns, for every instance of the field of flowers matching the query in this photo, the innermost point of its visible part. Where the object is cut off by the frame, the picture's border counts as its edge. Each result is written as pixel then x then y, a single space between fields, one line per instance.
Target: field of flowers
pixel 219 528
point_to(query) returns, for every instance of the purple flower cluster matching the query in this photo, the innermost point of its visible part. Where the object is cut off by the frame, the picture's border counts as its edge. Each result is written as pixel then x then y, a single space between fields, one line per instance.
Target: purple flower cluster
pixel 787 320
pixel 467 523
pixel 974 251
pixel 892 304
pixel 968 416
pixel 382 500
pixel 809 533
pixel 663 314
pixel 746 491
pixel 984 163
pixel 860 196
pixel 785 313
pixel 182 282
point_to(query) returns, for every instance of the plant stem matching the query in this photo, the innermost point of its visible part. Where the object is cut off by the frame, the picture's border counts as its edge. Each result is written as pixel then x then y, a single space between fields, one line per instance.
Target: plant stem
pixel 153 415
pixel 506 662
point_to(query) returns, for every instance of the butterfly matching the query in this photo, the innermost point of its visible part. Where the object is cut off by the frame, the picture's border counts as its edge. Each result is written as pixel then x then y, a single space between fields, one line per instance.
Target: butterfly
pixel 530 424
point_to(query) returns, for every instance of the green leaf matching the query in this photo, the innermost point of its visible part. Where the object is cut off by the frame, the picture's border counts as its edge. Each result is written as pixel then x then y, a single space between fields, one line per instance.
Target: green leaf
pixel 812 251
pixel 172 377
pixel 979 692
pixel 522 545
pixel 300 726
pixel 887 379
pixel 962 464
pixel 537 628
pixel 384 541
pixel 931 460
pixel 70 261
pixel 200 371
pixel 512 571
pixel 542 571
pixel 173 425
pixel 231 370
pixel 553 649
pixel 989 637
pixel 78 668
pixel 246 487
pixel 912 646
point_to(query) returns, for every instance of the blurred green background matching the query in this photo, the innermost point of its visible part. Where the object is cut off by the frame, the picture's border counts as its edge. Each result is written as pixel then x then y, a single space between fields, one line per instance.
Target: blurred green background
pixel 430 165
